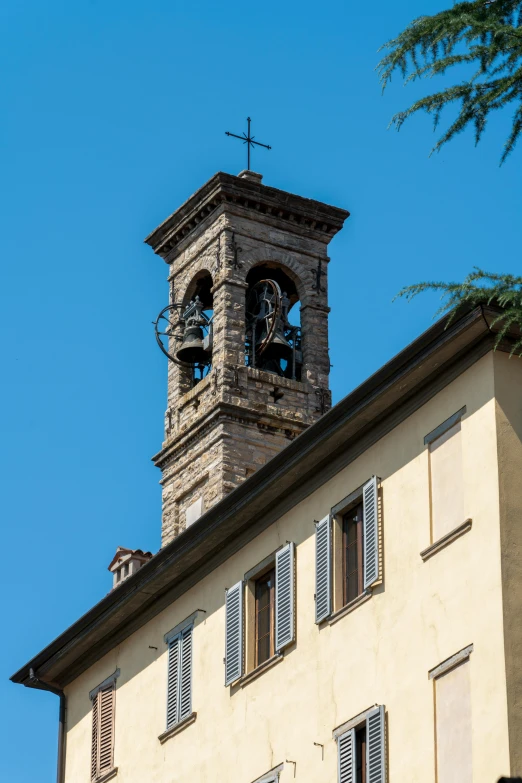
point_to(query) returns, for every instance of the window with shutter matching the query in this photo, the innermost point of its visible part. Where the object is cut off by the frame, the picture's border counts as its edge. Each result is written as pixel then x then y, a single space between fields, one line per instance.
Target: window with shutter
pixel 370 533
pixel 284 596
pixel 354 551
pixel 179 681
pixel 323 558
pixel 346 757
pixel 234 633
pixel 102 742
pixel 360 748
pixel 375 746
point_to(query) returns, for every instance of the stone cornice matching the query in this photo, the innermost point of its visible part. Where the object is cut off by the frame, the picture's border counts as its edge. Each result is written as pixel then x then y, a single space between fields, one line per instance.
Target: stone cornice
pixel 224 410
pixel 287 210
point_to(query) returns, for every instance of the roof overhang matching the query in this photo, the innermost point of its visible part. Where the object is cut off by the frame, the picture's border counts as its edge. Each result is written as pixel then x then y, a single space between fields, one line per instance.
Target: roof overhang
pixel 374 408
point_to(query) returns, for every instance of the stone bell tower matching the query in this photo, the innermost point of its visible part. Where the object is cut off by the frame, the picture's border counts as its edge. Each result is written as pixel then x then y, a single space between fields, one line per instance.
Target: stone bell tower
pixel 247 263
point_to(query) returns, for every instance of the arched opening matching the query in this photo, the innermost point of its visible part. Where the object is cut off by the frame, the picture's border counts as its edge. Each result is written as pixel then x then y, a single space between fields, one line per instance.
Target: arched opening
pixel 195 351
pixel 273 323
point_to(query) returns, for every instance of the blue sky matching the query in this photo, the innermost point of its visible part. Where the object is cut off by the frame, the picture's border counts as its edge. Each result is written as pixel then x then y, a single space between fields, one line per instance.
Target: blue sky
pixel 113 113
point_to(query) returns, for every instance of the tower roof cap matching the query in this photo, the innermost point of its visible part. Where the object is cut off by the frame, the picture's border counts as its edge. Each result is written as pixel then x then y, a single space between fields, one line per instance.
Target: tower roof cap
pixel 247 196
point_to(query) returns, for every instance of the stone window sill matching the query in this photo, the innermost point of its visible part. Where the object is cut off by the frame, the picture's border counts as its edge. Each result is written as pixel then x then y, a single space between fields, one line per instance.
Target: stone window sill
pixel 178 727
pixel 340 613
pixel 255 673
pixel 445 540
pixel 106 776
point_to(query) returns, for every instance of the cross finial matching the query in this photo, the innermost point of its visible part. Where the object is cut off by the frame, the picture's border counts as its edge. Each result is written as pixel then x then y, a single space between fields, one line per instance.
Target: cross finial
pixel 247 139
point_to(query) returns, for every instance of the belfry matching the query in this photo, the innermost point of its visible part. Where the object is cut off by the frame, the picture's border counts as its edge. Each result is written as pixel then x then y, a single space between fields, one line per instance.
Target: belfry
pixel 246 333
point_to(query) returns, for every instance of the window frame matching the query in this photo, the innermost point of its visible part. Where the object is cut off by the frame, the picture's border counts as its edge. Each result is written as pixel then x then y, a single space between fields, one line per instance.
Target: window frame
pixel 356 506
pixel 338 513
pixel 250 637
pixel 108 684
pixel 178 632
pixel 267 572
pixel 365 720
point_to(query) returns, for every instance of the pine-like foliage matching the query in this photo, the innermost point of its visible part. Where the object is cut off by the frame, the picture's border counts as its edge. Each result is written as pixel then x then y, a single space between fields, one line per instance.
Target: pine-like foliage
pixel 484 33
pixel 478 288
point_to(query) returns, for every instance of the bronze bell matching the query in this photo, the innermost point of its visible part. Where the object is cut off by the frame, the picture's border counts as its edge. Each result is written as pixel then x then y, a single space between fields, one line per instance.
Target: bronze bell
pixel 192 350
pixel 278 348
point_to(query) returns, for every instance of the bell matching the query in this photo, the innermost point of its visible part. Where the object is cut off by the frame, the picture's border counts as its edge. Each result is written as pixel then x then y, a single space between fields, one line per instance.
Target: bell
pixel 278 348
pixel 192 350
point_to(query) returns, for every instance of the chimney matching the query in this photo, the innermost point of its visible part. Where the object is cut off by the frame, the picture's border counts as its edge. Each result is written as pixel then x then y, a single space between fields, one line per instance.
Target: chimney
pixel 125 563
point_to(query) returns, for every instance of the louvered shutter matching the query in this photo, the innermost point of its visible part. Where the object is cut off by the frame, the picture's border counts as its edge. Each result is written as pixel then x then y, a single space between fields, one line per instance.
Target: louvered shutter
pixel 323 565
pixel 106 730
pixel 173 682
pixel 370 533
pixel 94 745
pixel 234 633
pixel 375 766
pixel 185 691
pixel 284 596
pixel 346 757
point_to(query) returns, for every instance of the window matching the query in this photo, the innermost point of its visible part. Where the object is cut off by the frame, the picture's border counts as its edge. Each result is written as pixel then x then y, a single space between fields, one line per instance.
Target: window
pixel 102 738
pixel 446 476
pixel 352 554
pixel 179 685
pixel 347 551
pixel 265 617
pixel 259 614
pixel 360 748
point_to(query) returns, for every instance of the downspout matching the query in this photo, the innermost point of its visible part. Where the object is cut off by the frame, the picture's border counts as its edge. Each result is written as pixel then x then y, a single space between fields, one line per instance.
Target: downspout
pixel 34 682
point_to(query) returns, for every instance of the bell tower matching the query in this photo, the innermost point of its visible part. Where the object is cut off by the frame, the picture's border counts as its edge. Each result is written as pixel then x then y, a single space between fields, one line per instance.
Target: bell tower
pixel 246 333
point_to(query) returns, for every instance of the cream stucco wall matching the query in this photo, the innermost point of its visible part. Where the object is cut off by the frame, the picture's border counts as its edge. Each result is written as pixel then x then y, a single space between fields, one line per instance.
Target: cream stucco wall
pixel 508 388
pixel 380 653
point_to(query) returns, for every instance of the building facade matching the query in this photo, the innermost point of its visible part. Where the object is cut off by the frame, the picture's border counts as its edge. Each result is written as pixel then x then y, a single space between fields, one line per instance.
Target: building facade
pixel 347 612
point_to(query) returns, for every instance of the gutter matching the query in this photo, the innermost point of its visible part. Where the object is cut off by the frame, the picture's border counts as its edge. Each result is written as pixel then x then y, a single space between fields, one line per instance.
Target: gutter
pixel 34 682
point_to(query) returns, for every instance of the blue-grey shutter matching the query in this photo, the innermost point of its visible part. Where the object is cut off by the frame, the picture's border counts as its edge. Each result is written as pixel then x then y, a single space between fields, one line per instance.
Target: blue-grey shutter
pixel 173 682
pixel 185 680
pixel 284 596
pixel 375 766
pixel 323 567
pixel 370 533
pixel 234 633
pixel 346 757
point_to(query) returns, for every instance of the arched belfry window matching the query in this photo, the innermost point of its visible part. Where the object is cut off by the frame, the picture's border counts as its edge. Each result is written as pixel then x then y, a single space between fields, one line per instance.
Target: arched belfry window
pixel 272 321
pixel 184 330
pixel 197 314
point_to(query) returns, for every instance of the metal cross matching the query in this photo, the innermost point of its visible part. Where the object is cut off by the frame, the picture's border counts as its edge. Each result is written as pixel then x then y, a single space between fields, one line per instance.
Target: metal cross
pixel 247 139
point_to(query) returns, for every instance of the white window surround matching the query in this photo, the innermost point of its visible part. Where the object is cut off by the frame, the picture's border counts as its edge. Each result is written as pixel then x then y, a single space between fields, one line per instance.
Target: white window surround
pixel 239 633
pixel 327 548
pixel 444 427
pixel 272 776
pixel 113 677
pixel 450 662
pixel 353 722
pixel 190 620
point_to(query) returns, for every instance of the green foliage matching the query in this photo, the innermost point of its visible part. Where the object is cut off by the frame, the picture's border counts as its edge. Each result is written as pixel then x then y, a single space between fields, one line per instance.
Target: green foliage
pixel 478 288
pixel 484 33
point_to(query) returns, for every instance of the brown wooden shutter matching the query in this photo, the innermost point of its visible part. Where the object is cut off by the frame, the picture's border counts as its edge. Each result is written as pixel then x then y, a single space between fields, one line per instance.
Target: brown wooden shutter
pixel 102 752
pixel 95 734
